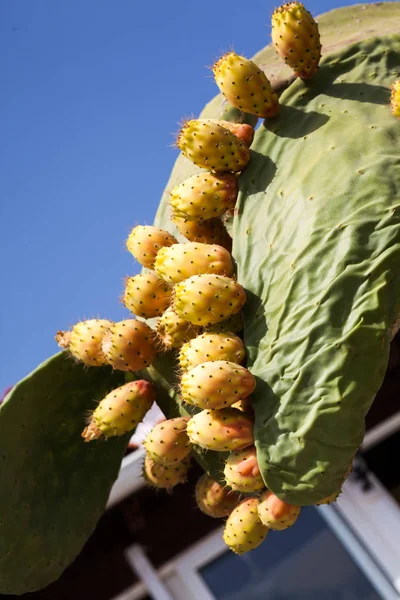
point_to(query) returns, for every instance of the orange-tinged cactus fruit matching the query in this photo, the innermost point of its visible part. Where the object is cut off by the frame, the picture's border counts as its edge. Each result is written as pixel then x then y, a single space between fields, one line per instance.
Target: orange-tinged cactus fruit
pixel 145 241
pixel 275 513
pixel 207 231
pixel 173 331
pixel 211 346
pixel 84 341
pixel 129 345
pixel 296 39
pixel 167 443
pixel 146 295
pixel 120 411
pixel 213 499
pixel 243 131
pixel 242 472
pixel 165 476
pixel 212 147
pixel 244 530
pixel 204 196
pixel 245 85
pixel 222 430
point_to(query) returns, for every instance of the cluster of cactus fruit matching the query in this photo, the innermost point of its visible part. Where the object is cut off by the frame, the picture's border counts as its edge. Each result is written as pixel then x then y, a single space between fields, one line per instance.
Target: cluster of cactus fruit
pixel 191 287
pixel 260 327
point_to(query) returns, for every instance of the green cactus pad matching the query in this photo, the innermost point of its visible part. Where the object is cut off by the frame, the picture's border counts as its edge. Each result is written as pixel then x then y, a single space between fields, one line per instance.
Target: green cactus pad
pixel 54 486
pixel 319 207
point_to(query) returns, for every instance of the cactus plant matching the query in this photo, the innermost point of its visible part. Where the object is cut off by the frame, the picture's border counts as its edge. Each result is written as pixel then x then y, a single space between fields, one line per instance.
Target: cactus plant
pixel 317 255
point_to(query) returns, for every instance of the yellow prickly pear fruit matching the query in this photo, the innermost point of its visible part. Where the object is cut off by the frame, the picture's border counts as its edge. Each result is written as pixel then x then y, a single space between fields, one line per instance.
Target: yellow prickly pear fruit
pixel 275 513
pixel 213 499
pixel 120 411
pixel 165 476
pixel 211 346
pixel 204 196
pixel 129 345
pixel 243 131
pixel 84 341
pixel 244 530
pixel 181 261
pixel 207 299
pixel 173 331
pixel 167 443
pixel 208 231
pixel 242 472
pixel 395 98
pixel 145 241
pixel 212 147
pixel 296 39
pixel 146 295
pixel 216 384
pixel 221 430
pixel 245 85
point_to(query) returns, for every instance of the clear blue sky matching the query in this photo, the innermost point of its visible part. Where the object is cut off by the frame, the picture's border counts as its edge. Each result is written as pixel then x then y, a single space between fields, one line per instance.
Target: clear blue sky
pixel 90 93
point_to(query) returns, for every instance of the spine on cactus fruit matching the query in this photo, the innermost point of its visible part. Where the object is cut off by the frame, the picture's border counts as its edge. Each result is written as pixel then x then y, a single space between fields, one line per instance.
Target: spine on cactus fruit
pixel 204 196
pixel 296 39
pixel 245 85
pixel 84 341
pixel 120 411
pixel 244 530
pixel 181 261
pixel 212 147
pixel 129 345
pixel 216 384
pixel 146 295
pixel 145 241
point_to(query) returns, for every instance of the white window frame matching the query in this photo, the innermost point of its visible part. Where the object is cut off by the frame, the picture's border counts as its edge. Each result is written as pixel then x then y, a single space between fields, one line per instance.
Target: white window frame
pixel 367 523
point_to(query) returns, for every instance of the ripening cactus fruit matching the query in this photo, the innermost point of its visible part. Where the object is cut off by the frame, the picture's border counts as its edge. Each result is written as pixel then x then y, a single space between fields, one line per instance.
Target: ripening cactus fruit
pixel 207 299
pixel 211 346
pixel 233 324
pixel 213 499
pixel 173 331
pixel 275 513
pixel 165 476
pixel 167 443
pixel 208 231
pixel 242 472
pixel 395 98
pixel 243 131
pixel 212 147
pixel 245 85
pixel 244 530
pixel 146 295
pixel 222 430
pixel 145 241
pixel 181 261
pixel 129 345
pixel 216 384
pixel 84 341
pixel 296 39
pixel 204 196
pixel 120 411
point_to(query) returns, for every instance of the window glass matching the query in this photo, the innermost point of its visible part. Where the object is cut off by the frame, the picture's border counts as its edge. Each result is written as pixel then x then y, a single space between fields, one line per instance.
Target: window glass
pixel 305 562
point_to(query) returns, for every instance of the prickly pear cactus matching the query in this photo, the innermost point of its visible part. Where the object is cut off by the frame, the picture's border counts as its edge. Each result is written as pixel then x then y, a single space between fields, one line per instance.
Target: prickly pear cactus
pixel 54 490
pixel 316 239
